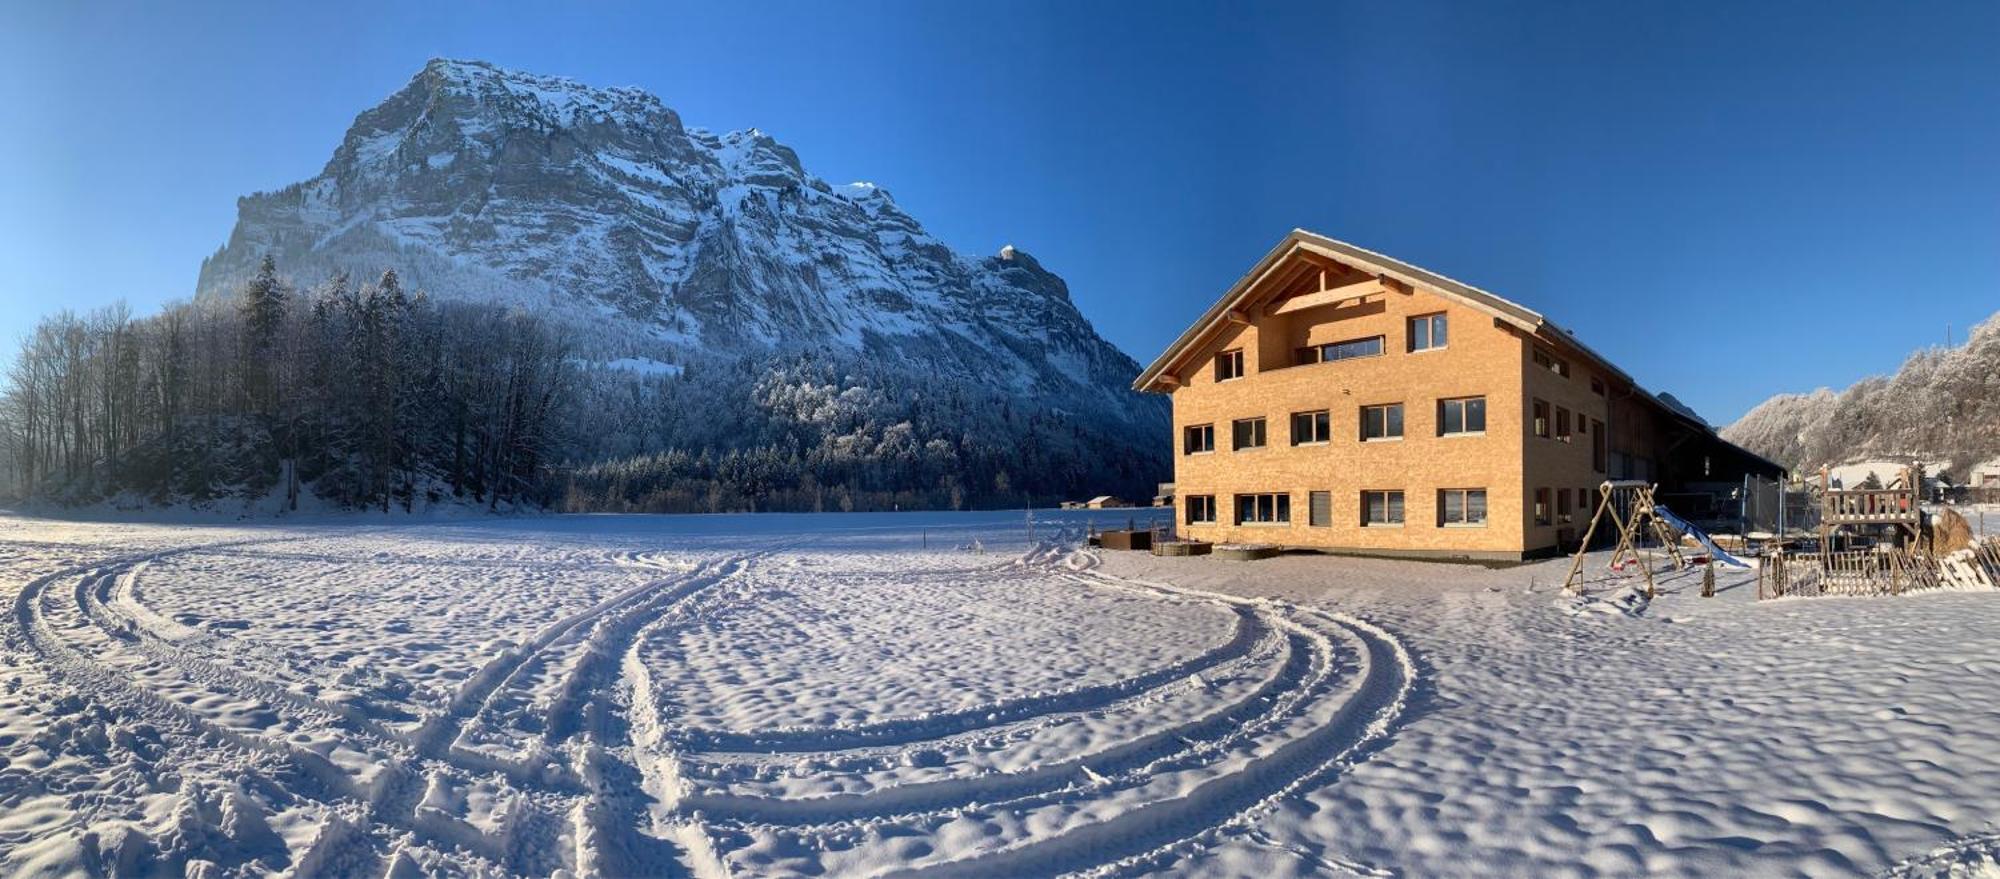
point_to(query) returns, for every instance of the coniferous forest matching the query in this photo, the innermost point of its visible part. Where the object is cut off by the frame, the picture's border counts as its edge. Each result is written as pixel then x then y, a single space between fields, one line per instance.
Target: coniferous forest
pixel 368 396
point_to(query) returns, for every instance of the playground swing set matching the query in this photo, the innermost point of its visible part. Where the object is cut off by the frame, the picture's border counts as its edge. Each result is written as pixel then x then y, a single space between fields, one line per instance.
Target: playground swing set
pixel 1629 507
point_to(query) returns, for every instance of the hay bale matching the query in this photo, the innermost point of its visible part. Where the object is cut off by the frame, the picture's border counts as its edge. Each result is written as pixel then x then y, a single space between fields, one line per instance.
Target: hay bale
pixel 1949 532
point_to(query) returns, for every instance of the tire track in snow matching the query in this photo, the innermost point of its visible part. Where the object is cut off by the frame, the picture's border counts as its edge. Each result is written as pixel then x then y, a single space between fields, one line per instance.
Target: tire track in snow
pixel 1299 730
pixel 389 799
pixel 1247 630
pixel 630 825
pixel 44 629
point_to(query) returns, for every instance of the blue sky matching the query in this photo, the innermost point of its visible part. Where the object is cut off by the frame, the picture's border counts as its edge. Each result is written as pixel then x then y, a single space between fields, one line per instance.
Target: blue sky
pixel 1728 201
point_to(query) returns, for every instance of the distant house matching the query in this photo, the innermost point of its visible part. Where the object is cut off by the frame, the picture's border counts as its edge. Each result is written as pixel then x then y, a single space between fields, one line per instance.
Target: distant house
pixel 1338 398
pixel 1106 502
pixel 1165 495
pixel 1985 475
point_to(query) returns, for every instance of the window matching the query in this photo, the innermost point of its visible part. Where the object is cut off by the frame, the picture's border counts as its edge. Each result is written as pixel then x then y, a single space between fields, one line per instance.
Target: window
pixel 1201 509
pixel 1381 509
pixel 1597 386
pixel 1228 365
pixel 1542 419
pixel 1562 424
pixel 1582 426
pixel 1311 428
pixel 1197 439
pixel 1248 433
pixel 1462 416
pixel 1427 332
pixel 1583 502
pixel 1462 507
pixel 1551 363
pixel 1562 506
pixel 1347 350
pixel 1541 506
pixel 1382 422
pixel 1597 445
pixel 1263 509
pixel 1319 509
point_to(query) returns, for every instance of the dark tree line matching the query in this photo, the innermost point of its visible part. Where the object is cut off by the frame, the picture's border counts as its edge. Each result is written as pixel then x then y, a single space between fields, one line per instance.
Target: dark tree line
pixel 369 397
pixel 372 397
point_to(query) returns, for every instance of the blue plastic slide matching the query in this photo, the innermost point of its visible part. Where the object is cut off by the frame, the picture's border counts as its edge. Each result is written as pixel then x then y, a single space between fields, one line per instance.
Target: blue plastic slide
pixel 1701 537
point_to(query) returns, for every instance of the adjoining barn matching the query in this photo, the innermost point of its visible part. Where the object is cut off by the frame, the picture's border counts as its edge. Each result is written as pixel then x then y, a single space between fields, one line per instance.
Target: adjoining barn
pixel 1341 399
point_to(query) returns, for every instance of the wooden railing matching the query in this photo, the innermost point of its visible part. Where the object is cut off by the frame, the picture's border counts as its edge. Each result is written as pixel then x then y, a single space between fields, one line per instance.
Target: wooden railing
pixel 1870 505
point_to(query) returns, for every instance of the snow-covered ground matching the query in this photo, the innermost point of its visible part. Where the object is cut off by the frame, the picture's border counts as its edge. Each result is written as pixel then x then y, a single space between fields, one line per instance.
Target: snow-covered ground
pixel 949 694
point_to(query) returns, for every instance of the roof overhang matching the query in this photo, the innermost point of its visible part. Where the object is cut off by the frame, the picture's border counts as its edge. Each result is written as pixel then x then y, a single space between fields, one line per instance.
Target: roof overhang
pixel 1308 247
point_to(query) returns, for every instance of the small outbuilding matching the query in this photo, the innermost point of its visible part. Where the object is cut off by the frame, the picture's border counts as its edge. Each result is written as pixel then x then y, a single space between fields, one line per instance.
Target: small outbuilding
pixel 1106 502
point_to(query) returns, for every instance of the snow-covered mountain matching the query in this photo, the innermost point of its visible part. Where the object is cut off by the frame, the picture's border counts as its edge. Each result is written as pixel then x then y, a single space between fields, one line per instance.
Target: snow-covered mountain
pixel 474 181
pixel 1943 405
pixel 669 247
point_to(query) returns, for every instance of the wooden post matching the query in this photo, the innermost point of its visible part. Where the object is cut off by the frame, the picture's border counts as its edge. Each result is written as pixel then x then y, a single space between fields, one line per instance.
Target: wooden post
pixel 1708 580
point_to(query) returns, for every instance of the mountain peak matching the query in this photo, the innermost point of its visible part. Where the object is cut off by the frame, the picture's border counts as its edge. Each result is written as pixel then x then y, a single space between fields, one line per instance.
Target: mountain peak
pixel 479 182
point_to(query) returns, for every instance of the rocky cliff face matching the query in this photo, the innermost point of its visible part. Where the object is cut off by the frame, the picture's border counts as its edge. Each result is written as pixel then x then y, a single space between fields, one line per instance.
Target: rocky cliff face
pixel 600 204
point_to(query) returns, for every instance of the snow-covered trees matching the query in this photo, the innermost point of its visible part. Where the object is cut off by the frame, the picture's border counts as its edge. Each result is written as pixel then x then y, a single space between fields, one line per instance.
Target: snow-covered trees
pixel 372 397
pixel 1944 404
pixel 235 399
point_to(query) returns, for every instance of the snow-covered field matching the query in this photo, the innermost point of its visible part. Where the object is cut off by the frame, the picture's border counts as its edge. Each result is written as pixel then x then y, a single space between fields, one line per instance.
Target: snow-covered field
pixel 948 694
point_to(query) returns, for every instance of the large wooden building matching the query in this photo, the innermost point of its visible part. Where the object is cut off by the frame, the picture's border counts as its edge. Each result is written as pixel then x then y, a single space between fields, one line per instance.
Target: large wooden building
pixel 1340 399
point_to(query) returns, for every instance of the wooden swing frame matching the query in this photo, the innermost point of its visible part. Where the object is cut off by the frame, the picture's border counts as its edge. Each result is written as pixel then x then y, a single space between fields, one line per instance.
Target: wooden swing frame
pixel 1611 497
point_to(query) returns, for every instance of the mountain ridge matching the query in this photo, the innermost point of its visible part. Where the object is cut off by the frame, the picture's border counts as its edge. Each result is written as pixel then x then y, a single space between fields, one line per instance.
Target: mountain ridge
pixel 497 184
pixel 701 258
pixel 1941 405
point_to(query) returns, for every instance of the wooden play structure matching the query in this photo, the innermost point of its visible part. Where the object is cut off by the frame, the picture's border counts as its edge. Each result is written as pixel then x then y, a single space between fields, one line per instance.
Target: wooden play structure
pixel 1895 505
pixel 1628 506
pixel 1917 557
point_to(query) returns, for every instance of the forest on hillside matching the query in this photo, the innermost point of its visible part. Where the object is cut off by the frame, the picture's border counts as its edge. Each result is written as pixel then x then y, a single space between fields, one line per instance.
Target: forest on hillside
pixel 372 397
pixel 1942 405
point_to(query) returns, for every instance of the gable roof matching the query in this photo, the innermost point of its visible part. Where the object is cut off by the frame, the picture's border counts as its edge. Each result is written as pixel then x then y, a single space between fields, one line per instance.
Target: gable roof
pixel 1300 242
pixel 1380 265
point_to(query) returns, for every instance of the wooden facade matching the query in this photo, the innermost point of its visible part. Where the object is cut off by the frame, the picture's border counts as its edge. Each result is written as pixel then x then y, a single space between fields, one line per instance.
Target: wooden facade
pixel 1340 399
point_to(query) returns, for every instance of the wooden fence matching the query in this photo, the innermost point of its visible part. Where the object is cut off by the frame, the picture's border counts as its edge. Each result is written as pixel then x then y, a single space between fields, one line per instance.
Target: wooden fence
pixel 1877 572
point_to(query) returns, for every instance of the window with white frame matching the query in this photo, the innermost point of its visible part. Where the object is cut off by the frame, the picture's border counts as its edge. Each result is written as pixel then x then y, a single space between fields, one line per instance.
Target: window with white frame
pixel 1348 350
pixel 1247 433
pixel 1229 365
pixel 1201 509
pixel 1264 509
pixel 1383 422
pixel 1462 507
pixel 1311 428
pixel 1197 439
pixel 1427 331
pixel 1465 415
pixel 1381 509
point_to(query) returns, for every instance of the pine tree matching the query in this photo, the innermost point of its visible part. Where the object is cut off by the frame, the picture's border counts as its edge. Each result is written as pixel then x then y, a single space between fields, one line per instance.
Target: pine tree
pixel 263 313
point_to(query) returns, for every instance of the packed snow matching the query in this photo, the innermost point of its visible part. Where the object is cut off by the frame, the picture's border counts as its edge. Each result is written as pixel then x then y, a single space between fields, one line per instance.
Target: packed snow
pixel 969 694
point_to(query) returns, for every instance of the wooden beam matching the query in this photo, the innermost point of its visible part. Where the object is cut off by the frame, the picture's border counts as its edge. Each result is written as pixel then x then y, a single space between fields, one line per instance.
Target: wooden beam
pixel 1168 381
pixel 1356 290
pixel 1237 317
pixel 1389 283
